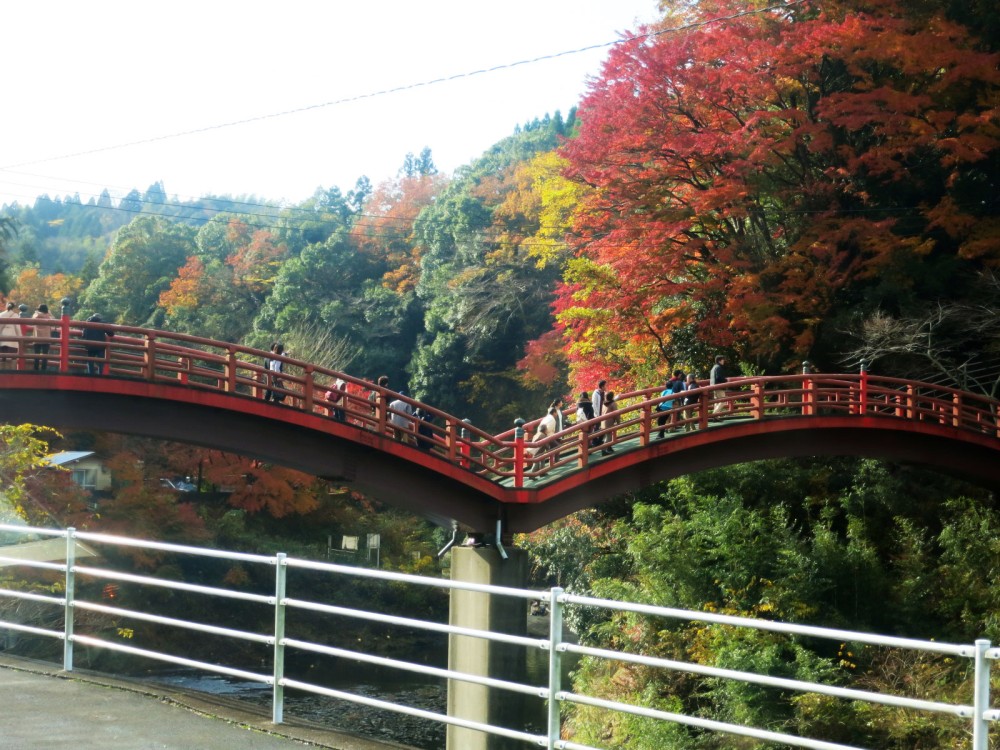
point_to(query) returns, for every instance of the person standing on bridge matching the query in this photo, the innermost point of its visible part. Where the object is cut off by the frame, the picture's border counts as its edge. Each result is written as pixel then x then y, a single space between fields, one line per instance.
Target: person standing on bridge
pixel 96 355
pixel 554 417
pixel 584 409
pixel 8 344
pixel 691 403
pixel 336 398
pixel 610 406
pixel 43 336
pixel 274 369
pixel 401 418
pixel 597 402
pixel 668 408
pixel 718 376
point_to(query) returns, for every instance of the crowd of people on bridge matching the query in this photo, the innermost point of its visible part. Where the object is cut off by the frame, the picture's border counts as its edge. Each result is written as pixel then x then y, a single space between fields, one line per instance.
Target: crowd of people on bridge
pixel 408 424
pixel 675 411
pixel 23 338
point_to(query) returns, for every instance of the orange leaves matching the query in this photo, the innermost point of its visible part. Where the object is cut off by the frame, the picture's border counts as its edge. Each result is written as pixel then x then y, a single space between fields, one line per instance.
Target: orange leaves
pixel 184 291
pixel 256 262
pixel 742 175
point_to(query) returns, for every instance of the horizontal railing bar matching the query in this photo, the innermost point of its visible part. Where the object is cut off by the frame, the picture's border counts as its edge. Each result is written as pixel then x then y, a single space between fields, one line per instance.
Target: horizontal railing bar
pixel 31 629
pixel 710 724
pixel 33 563
pixel 178 585
pixel 32 530
pixel 444 583
pixel 159 656
pixel 186 624
pixel 769 681
pixel 61 601
pixel 770 625
pixel 515 687
pixel 168 547
pixel 437 627
pixel 410 711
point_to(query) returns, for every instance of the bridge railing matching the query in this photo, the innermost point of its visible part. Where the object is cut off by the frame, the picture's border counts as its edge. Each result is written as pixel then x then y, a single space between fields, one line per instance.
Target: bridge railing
pixel 512 457
pixel 70 602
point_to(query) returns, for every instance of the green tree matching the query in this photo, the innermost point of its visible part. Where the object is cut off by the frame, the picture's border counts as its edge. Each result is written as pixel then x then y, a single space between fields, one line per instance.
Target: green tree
pixel 144 258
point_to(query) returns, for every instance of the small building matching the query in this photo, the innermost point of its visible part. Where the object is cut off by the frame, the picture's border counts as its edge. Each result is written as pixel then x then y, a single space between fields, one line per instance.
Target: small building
pixel 89 472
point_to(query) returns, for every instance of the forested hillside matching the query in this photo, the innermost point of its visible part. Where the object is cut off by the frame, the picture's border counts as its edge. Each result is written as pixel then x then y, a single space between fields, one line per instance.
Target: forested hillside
pixel 818 182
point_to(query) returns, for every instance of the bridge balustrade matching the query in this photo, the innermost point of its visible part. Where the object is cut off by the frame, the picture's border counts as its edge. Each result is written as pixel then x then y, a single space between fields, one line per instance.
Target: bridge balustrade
pixel 82 615
pixel 510 458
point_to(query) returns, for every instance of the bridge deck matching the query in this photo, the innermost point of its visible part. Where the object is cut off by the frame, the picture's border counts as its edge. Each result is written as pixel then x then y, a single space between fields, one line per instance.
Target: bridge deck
pixel 176 387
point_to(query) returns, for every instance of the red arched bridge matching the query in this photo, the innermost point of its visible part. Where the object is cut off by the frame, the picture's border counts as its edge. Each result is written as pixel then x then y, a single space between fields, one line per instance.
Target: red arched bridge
pixel 210 393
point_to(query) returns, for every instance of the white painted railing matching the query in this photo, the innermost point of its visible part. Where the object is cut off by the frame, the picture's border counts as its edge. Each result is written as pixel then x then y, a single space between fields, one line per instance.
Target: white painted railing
pixel 978 712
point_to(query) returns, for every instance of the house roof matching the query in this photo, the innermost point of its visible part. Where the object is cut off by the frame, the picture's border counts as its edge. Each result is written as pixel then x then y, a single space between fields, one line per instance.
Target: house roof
pixel 68 457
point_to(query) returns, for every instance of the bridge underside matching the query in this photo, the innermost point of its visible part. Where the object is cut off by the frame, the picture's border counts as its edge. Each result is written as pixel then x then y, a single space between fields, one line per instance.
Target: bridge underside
pixel 433 487
pixel 951 451
pixel 248 427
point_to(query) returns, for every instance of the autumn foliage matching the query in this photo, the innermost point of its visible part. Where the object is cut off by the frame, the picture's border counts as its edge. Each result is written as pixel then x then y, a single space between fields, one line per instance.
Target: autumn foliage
pixel 750 175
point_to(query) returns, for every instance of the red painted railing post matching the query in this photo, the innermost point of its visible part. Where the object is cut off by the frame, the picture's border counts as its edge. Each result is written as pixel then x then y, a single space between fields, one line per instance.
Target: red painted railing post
pixel 519 453
pixel 465 447
pixel 64 343
pixel 703 411
pixel 149 357
pixel 808 392
pixel 230 370
pixel 382 417
pixel 956 410
pixel 863 389
pixel 646 426
pixel 451 440
pixel 307 389
pixel 757 401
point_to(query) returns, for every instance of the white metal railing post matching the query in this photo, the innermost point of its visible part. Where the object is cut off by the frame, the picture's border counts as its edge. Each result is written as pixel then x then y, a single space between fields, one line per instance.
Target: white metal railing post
pixel 68 610
pixel 555 666
pixel 278 693
pixel 981 698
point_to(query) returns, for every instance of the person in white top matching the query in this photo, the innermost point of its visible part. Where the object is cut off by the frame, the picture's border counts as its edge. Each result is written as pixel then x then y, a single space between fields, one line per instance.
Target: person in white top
pixel 8 333
pixel 400 417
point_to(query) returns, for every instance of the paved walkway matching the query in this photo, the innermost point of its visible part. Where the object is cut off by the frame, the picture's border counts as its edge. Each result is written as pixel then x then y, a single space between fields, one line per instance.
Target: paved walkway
pixel 42 707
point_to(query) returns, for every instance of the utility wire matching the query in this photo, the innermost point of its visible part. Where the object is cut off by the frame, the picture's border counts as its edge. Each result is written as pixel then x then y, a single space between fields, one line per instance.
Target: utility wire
pixel 405 87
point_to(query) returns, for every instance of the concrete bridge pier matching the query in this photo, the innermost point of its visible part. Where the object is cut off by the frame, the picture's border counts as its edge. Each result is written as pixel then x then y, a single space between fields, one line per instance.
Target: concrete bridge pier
pixel 470 609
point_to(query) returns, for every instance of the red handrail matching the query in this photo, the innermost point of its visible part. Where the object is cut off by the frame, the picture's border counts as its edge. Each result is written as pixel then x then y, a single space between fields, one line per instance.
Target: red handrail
pixel 511 457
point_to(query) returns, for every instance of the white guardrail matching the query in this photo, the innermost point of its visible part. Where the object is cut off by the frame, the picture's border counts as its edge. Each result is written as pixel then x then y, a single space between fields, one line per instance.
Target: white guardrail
pixel 978 713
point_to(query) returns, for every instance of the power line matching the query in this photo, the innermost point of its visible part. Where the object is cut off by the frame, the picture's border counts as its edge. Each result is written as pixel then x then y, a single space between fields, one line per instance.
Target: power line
pixel 406 87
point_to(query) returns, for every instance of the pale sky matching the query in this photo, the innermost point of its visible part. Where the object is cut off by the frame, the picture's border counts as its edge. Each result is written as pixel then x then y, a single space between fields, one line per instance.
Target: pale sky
pixel 96 76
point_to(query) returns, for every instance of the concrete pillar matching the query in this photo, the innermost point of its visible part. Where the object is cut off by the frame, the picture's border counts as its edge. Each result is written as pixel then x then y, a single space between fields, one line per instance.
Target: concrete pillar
pixel 481 657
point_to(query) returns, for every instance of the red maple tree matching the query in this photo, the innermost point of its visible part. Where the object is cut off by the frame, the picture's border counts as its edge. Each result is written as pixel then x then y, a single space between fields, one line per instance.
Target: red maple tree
pixel 751 174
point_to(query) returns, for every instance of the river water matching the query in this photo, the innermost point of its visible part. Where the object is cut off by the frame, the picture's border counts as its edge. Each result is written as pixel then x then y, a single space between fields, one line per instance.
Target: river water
pixel 395 686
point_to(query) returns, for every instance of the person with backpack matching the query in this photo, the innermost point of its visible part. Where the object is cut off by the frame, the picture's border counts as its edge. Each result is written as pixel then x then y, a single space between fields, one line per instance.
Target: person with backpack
pixel 666 408
pixel 691 403
pixel 336 398
pixel 584 408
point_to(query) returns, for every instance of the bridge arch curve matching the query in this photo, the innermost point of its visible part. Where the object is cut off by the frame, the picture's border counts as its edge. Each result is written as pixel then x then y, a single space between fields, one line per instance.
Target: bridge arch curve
pixel 207 393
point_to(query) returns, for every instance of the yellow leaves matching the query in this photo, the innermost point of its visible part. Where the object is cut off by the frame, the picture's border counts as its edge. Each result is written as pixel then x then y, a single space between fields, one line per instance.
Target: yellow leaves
pixel 23 450
pixel 32 288
pixel 184 291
